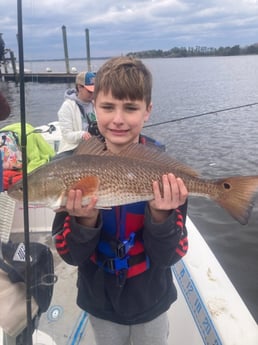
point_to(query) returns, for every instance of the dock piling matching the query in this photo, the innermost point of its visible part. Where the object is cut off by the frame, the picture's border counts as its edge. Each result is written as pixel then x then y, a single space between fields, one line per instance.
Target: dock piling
pixel 65 49
pixel 88 48
pixel 13 65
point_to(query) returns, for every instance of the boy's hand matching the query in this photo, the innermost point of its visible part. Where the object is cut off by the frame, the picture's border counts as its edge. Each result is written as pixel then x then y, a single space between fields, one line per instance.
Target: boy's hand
pixel 174 195
pixel 87 215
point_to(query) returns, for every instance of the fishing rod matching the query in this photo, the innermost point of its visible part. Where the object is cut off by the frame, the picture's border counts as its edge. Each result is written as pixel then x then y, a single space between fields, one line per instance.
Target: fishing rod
pixel 24 172
pixel 199 115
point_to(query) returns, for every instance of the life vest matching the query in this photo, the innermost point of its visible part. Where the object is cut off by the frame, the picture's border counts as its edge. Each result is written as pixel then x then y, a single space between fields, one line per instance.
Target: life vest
pixel 120 250
pixel 10 177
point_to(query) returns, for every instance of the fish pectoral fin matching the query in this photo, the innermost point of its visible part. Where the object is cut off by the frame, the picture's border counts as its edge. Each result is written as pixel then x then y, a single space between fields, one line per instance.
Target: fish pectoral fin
pixel 57 203
pixel 88 185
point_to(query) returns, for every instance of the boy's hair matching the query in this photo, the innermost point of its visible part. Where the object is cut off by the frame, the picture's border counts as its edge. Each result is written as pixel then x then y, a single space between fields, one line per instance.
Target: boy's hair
pixel 125 78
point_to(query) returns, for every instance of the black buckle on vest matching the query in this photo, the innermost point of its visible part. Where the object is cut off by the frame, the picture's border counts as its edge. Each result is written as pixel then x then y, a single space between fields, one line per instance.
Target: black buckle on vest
pixel 123 247
pixel 110 265
pixel 121 250
pixel 114 265
pixel 117 264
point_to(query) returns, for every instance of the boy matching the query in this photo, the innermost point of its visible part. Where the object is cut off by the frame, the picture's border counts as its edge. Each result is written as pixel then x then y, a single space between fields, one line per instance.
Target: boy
pixel 124 254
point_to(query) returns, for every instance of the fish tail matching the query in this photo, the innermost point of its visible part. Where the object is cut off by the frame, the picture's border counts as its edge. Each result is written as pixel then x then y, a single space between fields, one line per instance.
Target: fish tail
pixel 237 195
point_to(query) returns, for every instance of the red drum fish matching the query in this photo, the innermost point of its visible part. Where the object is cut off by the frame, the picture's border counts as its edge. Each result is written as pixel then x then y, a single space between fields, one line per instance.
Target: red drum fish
pixel 127 178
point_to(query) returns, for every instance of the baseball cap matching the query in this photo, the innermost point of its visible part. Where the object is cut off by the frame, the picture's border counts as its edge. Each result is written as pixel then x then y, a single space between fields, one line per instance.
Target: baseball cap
pixel 87 79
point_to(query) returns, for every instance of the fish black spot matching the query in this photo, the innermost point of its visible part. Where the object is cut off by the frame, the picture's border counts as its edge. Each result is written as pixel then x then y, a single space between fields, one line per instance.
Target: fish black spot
pixel 226 185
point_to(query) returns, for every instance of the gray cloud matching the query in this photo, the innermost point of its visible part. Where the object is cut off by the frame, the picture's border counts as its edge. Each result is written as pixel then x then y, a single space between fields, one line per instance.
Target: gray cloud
pixel 120 27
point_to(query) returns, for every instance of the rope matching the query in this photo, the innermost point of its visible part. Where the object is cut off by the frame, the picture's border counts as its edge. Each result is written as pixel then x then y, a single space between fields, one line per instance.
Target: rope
pixel 202 114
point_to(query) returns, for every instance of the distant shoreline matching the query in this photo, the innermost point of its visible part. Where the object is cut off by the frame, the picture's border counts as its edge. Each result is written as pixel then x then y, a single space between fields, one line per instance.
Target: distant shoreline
pixel 177 52
pixel 137 56
pixel 197 51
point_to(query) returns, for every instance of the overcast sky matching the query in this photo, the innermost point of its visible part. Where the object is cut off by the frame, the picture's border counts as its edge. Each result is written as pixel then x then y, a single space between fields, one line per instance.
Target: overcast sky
pixel 117 27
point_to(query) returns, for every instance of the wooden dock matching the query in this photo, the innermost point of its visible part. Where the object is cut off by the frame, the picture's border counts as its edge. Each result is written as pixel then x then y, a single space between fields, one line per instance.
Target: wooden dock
pixel 40 77
pixel 67 77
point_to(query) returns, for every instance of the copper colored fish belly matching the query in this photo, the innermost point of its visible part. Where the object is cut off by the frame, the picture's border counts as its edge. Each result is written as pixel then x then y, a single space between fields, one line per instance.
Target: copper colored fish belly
pixel 127 178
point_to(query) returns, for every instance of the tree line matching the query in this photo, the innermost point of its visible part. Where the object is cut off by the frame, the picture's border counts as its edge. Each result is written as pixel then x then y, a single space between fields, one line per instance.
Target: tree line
pixel 196 51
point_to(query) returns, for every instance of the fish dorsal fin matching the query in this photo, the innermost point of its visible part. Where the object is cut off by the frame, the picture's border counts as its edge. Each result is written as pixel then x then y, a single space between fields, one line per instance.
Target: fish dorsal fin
pixel 140 152
pixel 154 155
pixel 92 146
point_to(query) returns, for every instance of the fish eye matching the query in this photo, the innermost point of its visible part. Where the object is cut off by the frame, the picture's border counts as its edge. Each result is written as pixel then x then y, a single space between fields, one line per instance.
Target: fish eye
pixel 226 185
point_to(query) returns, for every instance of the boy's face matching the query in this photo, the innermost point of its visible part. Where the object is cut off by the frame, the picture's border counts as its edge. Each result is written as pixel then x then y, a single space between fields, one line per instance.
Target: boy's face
pixel 120 121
